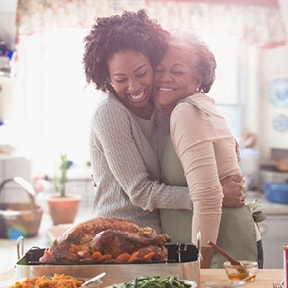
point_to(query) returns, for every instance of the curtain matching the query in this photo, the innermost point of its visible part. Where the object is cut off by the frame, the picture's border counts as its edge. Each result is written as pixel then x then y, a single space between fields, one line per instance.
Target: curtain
pixel 260 25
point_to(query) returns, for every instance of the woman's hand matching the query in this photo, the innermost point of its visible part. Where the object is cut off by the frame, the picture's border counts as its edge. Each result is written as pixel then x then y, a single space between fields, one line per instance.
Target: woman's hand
pixel 234 191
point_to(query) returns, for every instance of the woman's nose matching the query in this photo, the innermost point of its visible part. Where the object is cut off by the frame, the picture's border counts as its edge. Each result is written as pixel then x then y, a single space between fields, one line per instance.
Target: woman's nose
pixel 163 77
pixel 133 86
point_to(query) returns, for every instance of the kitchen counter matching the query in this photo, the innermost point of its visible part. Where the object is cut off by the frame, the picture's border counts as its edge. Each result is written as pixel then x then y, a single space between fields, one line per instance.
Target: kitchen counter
pixel 264 278
pixel 269 208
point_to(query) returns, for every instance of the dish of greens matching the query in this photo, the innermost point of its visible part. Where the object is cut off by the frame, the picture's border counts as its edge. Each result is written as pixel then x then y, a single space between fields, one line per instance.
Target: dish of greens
pixel 156 282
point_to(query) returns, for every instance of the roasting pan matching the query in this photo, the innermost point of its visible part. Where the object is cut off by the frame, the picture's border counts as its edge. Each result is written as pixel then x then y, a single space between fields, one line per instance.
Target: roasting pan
pixel 183 262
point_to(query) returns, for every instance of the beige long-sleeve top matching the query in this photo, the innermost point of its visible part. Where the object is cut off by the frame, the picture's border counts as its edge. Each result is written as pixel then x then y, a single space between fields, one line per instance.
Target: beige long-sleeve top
pixel 206 148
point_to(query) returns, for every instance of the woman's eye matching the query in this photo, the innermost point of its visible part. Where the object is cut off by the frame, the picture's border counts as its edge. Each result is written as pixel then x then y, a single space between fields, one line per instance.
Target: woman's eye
pixel 177 73
pixel 120 80
pixel 140 75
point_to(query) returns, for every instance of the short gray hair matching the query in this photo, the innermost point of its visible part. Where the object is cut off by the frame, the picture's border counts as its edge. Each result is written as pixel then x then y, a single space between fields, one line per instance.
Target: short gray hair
pixel 199 55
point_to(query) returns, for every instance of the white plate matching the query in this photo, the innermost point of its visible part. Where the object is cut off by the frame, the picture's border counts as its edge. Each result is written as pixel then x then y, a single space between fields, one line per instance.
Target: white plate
pixel 10 282
pixel 280 123
pixel 192 283
pixel 6 283
pixel 277 92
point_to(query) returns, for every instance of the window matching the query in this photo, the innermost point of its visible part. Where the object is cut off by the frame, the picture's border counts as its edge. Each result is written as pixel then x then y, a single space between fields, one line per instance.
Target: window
pixel 226 90
pixel 53 99
pixel 53 103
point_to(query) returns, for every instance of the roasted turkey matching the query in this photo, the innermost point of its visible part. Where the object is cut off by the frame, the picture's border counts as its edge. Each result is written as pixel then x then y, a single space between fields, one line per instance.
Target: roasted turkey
pixel 107 240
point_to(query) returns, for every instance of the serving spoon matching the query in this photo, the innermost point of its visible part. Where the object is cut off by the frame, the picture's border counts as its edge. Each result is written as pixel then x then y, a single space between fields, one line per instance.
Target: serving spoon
pixel 95 278
pixel 232 260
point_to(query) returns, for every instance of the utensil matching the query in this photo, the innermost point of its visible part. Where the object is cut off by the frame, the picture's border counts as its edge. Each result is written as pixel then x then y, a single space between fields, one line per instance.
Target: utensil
pixel 248 278
pixel 232 260
pixel 246 271
pixel 95 278
pixel 198 235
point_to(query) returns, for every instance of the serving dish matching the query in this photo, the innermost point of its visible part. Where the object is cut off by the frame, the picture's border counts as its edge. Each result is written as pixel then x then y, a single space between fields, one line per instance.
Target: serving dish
pixel 246 271
pixel 192 283
pixel 6 283
pixel 28 265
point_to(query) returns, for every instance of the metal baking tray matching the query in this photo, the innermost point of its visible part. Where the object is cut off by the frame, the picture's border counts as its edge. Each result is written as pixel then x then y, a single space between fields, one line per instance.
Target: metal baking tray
pixel 29 266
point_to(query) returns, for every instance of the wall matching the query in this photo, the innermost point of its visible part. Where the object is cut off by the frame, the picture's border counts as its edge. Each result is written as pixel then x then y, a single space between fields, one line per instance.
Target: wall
pixel 274 65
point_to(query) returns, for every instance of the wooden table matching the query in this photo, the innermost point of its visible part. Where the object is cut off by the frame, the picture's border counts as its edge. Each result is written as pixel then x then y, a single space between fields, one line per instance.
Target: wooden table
pixel 264 279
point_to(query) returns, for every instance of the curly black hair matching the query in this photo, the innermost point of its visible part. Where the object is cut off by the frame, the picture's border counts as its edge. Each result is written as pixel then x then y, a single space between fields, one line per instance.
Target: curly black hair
pixel 129 31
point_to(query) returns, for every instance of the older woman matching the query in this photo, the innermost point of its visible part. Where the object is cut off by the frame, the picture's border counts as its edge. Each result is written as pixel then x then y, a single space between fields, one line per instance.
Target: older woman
pixel 205 147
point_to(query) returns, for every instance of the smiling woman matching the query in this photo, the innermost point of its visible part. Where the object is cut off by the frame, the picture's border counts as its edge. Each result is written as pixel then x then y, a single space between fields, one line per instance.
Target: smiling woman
pixel 121 52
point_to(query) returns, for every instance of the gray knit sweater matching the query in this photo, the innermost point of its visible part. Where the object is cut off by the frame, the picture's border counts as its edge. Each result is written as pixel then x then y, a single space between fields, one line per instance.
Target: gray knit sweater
pixel 124 157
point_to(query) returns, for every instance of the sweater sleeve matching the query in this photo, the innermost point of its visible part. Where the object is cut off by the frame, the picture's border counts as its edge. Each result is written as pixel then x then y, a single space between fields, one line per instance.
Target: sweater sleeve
pixel 116 135
pixel 191 136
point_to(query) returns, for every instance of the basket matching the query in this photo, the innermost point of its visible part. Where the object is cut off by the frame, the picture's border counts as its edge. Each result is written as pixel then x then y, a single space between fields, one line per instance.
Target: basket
pixel 18 218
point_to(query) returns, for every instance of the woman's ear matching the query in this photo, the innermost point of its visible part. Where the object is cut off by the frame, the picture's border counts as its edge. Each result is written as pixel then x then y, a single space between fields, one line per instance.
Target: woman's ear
pixel 197 83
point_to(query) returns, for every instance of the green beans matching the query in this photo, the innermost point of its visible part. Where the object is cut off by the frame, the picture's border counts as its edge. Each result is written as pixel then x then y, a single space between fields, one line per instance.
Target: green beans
pixel 154 282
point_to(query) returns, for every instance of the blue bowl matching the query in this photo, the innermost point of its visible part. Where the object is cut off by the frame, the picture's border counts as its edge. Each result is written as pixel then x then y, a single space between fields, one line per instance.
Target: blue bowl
pixel 276 192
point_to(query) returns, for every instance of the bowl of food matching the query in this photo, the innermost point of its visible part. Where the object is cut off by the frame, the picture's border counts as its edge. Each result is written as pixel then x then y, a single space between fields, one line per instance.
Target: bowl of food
pixel 225 284
pixel 245 272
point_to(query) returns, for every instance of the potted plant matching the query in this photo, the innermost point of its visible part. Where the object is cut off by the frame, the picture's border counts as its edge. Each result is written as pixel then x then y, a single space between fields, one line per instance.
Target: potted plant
pixel 63 207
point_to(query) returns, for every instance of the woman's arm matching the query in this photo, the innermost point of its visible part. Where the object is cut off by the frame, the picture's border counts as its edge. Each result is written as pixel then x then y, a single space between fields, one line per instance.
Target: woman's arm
pixel 118 140
pixel 200 167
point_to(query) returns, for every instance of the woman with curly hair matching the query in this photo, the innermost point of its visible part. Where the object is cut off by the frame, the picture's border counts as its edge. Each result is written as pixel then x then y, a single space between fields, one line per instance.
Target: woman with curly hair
pixel 120 55
pixel 206 148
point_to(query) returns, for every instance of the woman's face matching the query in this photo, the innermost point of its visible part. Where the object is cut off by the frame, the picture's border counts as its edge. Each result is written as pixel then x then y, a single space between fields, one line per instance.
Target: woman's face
pixel 174 79
pixel 132 77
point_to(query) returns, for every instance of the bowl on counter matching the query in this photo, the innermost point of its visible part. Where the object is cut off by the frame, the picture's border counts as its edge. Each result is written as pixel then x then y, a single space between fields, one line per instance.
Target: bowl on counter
pixel 276 192
pixel 246 271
